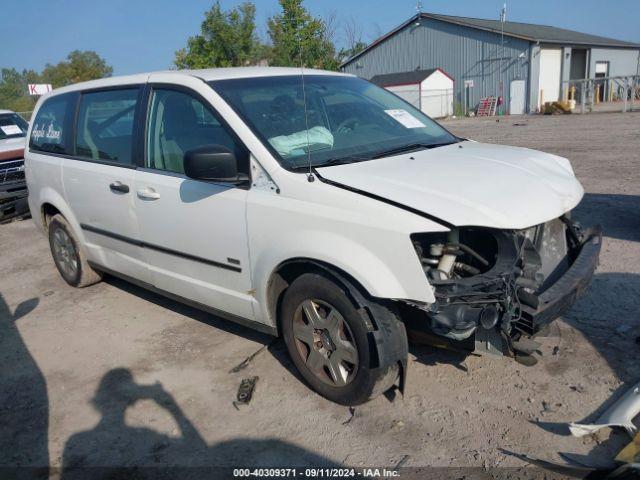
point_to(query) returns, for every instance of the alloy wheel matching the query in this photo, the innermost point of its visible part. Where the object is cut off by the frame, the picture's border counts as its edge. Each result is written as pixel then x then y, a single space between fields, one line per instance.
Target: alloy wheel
pixel 325 342
pixel 65 253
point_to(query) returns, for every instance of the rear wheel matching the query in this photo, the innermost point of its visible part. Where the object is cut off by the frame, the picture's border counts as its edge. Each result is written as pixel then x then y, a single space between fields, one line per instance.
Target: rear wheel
pixel 327 340
pixel 68 256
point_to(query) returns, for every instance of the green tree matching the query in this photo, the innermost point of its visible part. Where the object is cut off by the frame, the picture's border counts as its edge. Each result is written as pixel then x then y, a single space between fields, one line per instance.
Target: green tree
pixel 298 37
pixel 78 67
pixel 14 90
pixel 226 39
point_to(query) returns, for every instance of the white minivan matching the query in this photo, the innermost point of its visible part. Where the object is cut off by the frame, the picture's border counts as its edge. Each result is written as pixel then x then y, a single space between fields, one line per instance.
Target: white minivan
pixel 311 205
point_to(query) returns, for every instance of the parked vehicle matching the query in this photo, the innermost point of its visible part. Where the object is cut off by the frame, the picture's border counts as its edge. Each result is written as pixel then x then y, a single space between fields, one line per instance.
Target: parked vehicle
pixel 13 187
pixel 317 207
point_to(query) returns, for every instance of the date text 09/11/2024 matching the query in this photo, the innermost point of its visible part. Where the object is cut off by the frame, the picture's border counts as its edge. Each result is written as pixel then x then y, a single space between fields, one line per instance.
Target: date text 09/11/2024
pixel 316 472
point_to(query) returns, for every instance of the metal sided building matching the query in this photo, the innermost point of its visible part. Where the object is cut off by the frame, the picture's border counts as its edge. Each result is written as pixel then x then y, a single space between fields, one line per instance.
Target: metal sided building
pixel 523 63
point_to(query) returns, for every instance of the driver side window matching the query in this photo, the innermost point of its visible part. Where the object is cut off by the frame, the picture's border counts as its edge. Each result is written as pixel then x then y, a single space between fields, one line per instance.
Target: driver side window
pixel 179 122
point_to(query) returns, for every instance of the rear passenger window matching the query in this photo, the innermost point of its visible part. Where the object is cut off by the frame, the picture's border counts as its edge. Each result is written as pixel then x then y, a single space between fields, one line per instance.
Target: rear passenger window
pixel 48 132
pixel 105 125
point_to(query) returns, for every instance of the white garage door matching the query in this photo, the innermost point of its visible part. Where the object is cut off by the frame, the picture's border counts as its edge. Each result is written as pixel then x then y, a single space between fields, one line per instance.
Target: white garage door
pixel 550 70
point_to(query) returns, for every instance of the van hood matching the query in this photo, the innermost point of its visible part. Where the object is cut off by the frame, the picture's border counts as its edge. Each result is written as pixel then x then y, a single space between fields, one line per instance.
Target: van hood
pixel 469 184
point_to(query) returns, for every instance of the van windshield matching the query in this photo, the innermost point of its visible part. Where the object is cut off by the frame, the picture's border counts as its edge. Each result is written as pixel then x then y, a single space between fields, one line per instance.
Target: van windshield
pixel 346 119
pixel 12 125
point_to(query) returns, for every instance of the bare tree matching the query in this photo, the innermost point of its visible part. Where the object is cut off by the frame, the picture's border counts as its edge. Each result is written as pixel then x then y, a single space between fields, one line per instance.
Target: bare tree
pixel 352 39
pixel 330 25
pixel 376 31
pixel 352 32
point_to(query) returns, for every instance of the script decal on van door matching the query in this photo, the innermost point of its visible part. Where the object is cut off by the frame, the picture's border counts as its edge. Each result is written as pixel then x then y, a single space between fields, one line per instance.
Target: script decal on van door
pixel 51 133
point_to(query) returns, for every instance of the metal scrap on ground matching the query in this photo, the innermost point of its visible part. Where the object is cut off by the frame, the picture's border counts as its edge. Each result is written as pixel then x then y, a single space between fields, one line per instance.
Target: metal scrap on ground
pixel 352 413
pixel 242 365
pixel 620 414
pixel 245 391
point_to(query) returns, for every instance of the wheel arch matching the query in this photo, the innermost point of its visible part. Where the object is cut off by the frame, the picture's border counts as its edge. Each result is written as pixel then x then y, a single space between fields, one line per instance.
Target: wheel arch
pixel 387 335
pixel 287 271
pixel 51 203
pixel 47 211
pixel 380 274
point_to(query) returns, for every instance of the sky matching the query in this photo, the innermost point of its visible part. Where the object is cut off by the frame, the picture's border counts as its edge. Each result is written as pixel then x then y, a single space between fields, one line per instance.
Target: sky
pixel 138 36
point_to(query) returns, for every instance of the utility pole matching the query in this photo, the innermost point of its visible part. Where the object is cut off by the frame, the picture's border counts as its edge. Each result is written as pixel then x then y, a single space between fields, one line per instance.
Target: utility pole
pixel 418 13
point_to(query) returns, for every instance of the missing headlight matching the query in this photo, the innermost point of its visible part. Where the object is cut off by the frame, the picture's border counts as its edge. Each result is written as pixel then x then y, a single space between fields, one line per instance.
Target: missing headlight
pixel 482 277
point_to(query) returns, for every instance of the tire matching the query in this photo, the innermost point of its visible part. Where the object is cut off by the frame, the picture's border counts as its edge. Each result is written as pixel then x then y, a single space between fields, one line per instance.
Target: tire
pixel 327 340
pixel 68 255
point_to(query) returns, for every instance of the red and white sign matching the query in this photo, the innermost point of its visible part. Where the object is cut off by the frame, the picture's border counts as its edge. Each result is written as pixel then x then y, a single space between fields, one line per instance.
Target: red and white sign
pixel 39 88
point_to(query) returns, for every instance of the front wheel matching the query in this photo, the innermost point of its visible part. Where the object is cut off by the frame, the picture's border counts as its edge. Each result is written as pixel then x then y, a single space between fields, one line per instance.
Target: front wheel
pixel 327 340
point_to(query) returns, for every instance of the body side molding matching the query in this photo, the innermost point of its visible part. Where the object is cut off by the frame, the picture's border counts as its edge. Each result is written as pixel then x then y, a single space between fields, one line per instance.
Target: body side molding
pixel 158 248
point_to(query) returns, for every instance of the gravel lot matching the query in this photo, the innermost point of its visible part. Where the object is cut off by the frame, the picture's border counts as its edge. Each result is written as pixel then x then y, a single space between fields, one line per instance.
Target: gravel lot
pixel 114 375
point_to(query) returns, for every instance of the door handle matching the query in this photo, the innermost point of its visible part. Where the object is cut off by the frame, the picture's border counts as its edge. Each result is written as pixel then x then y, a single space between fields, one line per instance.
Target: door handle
pixel 119 187
pixel 148 193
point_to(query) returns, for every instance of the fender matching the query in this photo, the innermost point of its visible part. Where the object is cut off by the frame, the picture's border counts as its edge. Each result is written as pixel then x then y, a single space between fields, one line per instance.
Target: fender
pixel 377 277
pixel 388 340
pixel 363 237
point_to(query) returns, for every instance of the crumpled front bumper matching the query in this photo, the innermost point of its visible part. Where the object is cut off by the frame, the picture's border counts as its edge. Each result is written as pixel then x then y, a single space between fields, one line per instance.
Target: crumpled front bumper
pixel 534 309
pixel 559 297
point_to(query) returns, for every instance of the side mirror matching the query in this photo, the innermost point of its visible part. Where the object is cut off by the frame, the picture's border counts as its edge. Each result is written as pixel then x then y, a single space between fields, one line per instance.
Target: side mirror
pixel 214 163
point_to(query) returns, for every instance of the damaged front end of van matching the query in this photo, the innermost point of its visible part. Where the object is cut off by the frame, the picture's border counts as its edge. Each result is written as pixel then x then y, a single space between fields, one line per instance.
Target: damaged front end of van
pixel 495 289
pixel 507 258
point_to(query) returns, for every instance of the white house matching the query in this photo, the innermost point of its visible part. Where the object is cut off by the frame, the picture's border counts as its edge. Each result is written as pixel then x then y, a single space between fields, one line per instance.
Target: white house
pixel 429 90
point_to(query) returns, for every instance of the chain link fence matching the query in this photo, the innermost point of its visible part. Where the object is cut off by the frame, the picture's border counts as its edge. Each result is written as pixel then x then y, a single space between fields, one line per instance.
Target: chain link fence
pixel 437 103
pixel 604 94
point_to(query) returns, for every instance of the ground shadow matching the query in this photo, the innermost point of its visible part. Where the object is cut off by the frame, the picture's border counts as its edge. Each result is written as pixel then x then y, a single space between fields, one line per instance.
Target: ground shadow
pixel 24 404
pixel 618 214
pixel 114 449
pixel 431 356
pixel 426 354
pixel 187 311
pixel 274 345
pixel 607 316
